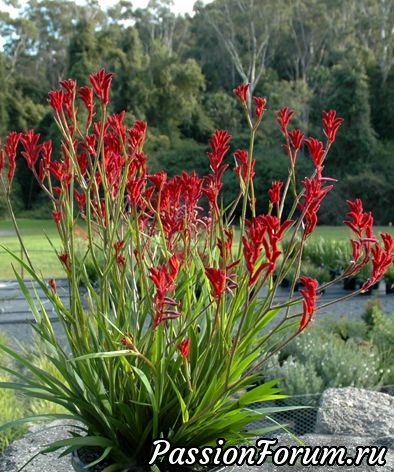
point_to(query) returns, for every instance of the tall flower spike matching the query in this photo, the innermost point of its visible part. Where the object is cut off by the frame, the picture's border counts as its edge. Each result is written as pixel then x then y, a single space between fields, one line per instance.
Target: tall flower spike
pixel 101 82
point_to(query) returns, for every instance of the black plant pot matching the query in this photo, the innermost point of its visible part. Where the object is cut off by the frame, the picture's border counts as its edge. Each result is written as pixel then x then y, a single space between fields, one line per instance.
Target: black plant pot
pixel 389 287
pixel 285 283
pixel 366 293
pixel 85 455
pixel 334 273
pixel 350 283
pixel 369 291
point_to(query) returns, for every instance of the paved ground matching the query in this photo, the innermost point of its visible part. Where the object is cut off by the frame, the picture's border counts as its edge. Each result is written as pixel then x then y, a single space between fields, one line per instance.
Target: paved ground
pixel 16 318
pixel 24 449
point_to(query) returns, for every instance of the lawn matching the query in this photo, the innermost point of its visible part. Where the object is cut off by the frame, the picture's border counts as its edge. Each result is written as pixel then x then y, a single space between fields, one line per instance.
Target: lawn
pixel 35 233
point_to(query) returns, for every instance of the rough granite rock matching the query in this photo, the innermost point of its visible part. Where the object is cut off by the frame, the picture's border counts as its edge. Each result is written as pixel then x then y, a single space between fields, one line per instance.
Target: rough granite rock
pixel 356 412
pixel 351 416
pixel 350 442
pixel 22 450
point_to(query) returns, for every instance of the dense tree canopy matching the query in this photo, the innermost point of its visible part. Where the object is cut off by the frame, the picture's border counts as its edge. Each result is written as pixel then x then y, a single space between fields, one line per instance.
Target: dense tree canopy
pixel 178 72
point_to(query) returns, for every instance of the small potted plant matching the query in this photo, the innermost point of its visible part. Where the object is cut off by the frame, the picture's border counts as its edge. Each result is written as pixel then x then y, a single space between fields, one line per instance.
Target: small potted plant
pixel 148 357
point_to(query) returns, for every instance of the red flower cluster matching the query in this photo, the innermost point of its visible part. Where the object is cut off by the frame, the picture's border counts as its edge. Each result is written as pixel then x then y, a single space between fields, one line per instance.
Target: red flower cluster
pixel 242 92
pixel 219 144
pixel 317 152
pixel 309 305
pixel 10 148
pixel 362 222
pixel 225 246
pixel 314 194
pixel 101 82
pixel 119 257
pixel 331 124
pixel 164 277
pixel 382 260
pixel 217 277
pixel 32 149
pixel 184 347
pixel 65 259
pixel 241 169
pixel 178 204
pixel 296 139
pixel 86 95
pixel 220 280
pixel 261 104
pixel 274 192
pixel 283 118
pixel 263 232
pixel 366 247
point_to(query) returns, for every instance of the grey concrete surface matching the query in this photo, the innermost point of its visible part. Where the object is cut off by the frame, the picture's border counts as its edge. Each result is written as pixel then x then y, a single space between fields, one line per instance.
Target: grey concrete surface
pixel 16 317
pixel 24 449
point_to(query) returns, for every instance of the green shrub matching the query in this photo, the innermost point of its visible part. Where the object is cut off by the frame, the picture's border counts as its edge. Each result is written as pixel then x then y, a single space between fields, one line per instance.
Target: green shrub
pixel 347 329
pixel 382 336
pixel 328 253
pixel 389 275
pixel 85 266
pixel 297 378
pixel 319 273
pixel 38 406
pixel 11 408
pixel 373 312
pixel 339 363
pixel 318 360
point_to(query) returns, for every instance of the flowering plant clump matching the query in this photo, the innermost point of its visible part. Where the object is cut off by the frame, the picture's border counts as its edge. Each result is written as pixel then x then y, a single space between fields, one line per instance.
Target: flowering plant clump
pixel 172 338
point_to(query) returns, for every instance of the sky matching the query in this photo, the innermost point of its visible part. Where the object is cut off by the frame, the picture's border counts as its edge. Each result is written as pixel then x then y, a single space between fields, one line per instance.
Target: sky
pixel 179 6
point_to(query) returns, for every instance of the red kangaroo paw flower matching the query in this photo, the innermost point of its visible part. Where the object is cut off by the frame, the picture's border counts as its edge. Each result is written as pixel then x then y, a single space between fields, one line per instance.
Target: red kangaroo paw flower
pixel 184 347
pixel 242 92
pixel 331 124
pixel 309 304
pixel 101 82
